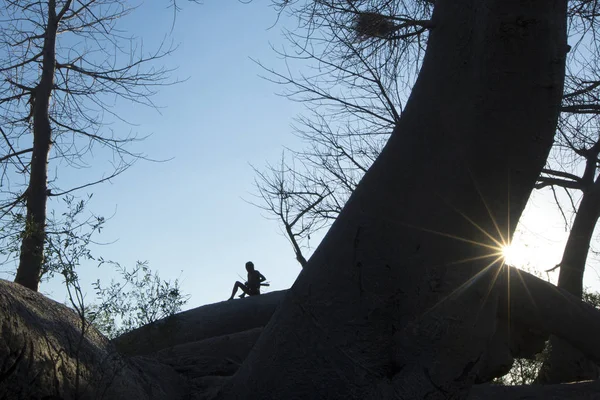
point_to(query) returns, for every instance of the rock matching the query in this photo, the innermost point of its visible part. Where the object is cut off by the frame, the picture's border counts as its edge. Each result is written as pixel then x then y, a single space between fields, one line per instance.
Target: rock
pixel 43 354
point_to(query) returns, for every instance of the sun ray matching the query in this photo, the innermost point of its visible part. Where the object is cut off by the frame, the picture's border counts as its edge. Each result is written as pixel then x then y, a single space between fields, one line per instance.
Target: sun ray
pixel 458 290
pixel 508 222
pixel 508 269
pixel 476 258
pixel 499 243
pixel 493 281
pixel 491 286
pixel 489 211
pixel 451 236
pixel 499 252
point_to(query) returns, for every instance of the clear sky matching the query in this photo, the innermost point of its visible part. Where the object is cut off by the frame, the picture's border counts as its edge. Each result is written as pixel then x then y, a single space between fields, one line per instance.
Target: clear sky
pixel 187 216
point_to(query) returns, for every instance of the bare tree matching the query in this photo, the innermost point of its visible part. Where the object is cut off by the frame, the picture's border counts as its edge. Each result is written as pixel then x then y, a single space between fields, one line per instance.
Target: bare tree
pixel 294 201
pixel 354 90
pixel 65 64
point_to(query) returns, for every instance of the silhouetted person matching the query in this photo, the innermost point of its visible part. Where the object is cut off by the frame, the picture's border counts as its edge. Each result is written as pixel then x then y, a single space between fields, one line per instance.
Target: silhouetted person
pixel 252 286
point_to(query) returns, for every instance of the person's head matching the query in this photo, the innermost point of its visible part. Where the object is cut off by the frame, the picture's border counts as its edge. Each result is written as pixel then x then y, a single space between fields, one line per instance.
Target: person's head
pixel 249 266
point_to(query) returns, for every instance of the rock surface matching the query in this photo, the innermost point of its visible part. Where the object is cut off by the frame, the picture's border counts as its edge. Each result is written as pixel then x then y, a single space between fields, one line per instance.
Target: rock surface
pixel 187 356
pixel 43 355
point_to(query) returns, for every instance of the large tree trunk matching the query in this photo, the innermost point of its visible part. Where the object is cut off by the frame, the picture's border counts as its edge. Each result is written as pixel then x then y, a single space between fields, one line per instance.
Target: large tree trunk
pixel 386 306
pixel 199 324
pixel 565 363
pixel 34 234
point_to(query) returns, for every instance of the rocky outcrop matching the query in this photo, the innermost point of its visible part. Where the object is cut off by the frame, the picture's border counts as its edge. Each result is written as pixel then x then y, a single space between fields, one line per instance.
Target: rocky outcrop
pixel 189 356
pixel 43 355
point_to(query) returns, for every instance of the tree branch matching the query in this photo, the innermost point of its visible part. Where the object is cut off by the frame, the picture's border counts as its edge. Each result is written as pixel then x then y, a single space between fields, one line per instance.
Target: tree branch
pixel 18 153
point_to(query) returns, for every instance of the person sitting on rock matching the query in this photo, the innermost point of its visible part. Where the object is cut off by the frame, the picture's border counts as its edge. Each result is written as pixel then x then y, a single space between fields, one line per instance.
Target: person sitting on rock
pixel 252 286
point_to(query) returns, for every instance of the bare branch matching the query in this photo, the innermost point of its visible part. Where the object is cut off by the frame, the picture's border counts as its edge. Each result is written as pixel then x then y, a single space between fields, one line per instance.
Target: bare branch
pixel 544 181
pixel 18 153
pixel 116 173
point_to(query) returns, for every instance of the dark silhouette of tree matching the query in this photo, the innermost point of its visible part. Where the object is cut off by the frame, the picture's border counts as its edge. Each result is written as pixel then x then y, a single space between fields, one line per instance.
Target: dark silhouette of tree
pixel 288 196
pixel 354 100
pixel 356 94
pixel 399 299
pixel 64 65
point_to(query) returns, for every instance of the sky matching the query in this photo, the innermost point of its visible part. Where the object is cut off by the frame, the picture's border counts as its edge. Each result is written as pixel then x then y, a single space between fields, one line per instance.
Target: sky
pixel 190 217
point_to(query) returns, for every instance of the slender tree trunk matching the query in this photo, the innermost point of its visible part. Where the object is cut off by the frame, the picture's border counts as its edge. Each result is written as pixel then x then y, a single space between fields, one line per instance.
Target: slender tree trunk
pixel 386 307
pixel 32 245
pixel 297 250
pixel 565 363
pixel 576 251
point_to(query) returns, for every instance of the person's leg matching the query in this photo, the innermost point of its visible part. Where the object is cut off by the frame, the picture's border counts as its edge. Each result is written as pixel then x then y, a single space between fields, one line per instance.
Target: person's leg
pixel 245 290
pixel 238 285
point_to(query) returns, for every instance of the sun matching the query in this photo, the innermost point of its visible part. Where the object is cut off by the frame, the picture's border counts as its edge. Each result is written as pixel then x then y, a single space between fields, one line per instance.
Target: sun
pixel 511 254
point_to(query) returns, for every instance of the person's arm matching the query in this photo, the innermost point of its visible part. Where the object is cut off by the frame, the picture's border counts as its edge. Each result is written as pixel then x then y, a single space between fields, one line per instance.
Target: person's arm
pixel 261 277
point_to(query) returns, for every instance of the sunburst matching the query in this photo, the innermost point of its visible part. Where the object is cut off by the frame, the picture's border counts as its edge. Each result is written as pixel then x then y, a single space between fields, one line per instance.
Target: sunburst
pixel 511 254
pixel 499 251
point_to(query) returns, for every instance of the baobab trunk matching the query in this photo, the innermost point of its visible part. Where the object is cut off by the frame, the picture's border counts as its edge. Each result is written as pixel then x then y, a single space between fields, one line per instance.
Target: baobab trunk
pixel 393 303
pixel 565 363
pixel 32 245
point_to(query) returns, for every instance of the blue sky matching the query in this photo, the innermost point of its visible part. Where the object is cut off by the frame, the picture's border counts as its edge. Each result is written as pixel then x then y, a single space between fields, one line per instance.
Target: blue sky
pixel 188 216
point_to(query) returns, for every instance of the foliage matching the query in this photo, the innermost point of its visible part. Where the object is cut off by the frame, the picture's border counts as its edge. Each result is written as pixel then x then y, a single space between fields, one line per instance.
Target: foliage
pixel 141 297
pixel 69 237
pixel 524 371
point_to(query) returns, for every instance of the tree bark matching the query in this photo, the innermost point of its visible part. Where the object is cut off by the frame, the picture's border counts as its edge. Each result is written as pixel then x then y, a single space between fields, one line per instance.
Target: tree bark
pixel 543 309
pixel 32 245
pixel 394 301
pixel 565 363
pixel 201 323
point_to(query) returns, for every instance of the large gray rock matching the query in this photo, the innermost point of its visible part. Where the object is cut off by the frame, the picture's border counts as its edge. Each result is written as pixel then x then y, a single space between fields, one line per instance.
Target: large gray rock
pixel 43 355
